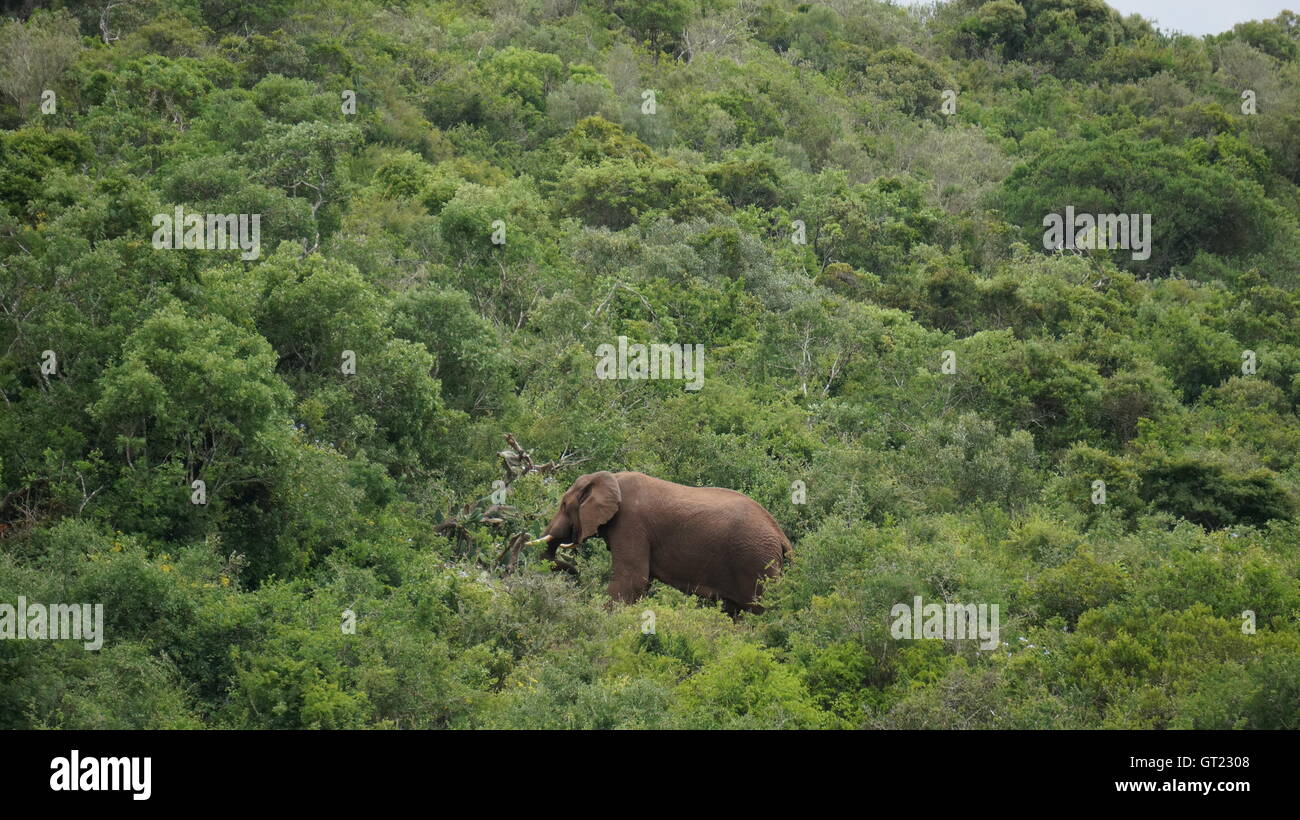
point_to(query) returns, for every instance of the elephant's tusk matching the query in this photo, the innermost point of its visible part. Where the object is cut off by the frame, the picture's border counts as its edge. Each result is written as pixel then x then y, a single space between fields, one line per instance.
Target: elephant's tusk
pixel 566 546
pixel 541 540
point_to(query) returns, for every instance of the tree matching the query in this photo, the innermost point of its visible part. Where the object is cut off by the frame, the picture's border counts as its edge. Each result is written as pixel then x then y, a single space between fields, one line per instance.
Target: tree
pixel 34 54
pixel 306 161
pixel 1218 212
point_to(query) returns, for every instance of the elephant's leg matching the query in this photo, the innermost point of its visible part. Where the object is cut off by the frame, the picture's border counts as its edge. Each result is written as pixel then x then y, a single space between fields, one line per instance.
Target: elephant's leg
pixel 734 609
pixel 630 576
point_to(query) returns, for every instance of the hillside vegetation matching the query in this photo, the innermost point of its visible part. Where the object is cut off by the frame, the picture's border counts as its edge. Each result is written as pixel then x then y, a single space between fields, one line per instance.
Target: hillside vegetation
pixel 465 199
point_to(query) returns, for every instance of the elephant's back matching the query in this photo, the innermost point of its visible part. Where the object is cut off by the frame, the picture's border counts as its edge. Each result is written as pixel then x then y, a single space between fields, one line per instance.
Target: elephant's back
pixel 757 518
pixel 746 526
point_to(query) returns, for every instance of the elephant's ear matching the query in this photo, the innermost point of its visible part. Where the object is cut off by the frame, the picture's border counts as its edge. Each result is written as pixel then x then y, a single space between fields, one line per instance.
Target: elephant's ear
pixel 599 503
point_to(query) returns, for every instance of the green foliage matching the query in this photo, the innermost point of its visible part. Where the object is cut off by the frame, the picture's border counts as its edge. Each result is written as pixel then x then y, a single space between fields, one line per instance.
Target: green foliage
pixel 1211 495
pixel 438 266
pixel 909 81
pixel 1118 173
pixel 616 192
pixel 29 155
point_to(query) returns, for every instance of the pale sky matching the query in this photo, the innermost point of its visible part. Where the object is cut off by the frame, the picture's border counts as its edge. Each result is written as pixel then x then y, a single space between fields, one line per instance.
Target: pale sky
pixel 1195 16
pixel 1203 16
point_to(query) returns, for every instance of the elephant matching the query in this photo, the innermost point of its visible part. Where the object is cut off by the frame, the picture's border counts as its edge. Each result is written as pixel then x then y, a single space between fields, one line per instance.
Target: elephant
pixel 707 541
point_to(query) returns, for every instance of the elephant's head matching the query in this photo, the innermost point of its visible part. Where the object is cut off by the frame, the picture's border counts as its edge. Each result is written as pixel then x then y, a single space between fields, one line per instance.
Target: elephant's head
pixel 590 502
